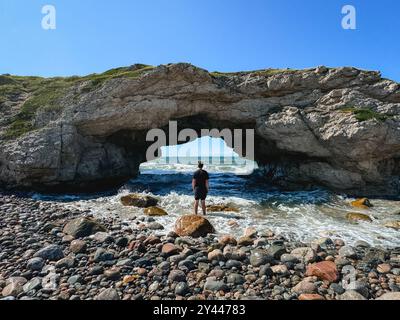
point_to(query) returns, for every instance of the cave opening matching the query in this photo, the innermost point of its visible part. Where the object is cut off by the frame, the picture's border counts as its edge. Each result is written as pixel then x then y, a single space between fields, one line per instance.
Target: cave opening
pixel 213 152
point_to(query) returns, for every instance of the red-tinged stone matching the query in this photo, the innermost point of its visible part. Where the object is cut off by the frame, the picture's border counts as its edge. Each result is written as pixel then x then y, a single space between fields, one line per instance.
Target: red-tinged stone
pixel 325 270
pixel 228 239
pixel 311 297
pixel 170 249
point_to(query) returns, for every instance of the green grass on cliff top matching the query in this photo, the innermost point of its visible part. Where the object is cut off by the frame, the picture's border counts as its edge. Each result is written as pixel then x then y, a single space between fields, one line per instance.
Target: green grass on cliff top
pixel 46 93
pixel 365 114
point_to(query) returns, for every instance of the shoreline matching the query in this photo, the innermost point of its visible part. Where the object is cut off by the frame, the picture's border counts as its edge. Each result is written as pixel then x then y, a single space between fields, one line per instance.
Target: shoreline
pixel 131 261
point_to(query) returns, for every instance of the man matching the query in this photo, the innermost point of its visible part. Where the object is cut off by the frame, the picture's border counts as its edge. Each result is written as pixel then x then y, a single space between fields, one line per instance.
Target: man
pixel 200 188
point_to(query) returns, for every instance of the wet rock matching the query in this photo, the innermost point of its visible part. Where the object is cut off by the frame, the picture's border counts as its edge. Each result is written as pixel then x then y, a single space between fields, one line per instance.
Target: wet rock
pixel 221 208
pixel 250 232
pixel 393 225
pixel 193 226
pixel 362 203
pixel 259 257
pixel 83 227
pixel 52 252
pixel 138 200
pixel 325 270
pixel 354 216
pixel 361 244
pixel 276 250
pixel 155 212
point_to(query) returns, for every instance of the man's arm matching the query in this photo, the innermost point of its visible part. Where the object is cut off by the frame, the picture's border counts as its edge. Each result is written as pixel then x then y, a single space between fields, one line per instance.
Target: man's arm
pixel 193 184
pixel 207 185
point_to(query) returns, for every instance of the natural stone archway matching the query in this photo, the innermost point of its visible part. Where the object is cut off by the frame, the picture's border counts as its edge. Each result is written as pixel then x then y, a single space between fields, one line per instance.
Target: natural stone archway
pixel 339 128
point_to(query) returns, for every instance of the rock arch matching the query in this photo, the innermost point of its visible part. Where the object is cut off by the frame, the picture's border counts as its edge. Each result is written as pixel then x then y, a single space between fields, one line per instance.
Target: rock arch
pixel 305 121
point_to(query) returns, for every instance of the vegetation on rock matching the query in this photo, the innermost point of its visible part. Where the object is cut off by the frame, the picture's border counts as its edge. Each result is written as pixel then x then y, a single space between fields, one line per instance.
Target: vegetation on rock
pixel 365 114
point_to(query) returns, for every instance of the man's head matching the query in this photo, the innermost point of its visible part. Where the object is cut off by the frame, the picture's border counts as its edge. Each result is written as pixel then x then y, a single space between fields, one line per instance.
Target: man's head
pixel 200 165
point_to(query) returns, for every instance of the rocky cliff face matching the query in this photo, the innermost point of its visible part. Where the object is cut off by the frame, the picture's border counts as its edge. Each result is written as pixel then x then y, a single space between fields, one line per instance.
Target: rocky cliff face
pixel 339 128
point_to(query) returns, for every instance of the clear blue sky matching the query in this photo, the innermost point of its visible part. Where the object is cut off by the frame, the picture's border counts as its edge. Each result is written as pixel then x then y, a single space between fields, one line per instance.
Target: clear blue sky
pixel 225 35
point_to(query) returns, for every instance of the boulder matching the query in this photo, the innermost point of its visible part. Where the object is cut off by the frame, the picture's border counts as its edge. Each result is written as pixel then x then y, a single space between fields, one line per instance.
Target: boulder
pixel 325 270
pixel 193 226
pixel 83 227
pixel 354 216
pixel 138 200
pixel 155 212
pixel 362 203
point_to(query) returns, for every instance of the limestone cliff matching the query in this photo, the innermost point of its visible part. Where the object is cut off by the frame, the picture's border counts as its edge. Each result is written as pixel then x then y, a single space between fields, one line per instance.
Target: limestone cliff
pixel 335 127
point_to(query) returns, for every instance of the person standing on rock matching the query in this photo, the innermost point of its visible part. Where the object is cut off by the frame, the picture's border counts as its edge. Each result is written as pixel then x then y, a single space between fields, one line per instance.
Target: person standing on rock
pixel 200 187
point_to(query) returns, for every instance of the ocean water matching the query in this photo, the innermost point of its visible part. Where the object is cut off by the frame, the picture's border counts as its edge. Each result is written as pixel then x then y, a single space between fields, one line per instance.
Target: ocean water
pixel 298 215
